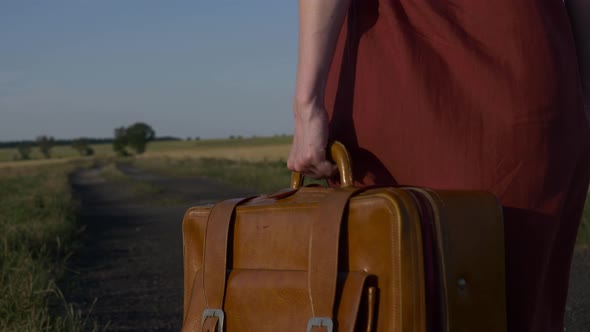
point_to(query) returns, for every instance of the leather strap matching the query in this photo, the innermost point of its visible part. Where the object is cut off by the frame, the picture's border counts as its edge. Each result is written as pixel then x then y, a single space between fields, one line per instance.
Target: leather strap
pixel 323 252
pixel 317 329
pixel 210 324
pixel 215 254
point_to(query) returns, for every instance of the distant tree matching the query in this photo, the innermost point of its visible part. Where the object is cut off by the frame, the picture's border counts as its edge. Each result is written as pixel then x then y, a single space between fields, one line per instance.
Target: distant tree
pixel 197 138
pixel 24 150
pixel 136 137
pixel 120 141
pixel 45 144
pixel 189 138
pixel 81 145
pixel 139 135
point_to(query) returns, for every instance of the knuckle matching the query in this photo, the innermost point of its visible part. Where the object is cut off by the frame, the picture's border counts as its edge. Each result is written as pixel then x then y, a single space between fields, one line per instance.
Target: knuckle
pixel 298 166
pixel 308 158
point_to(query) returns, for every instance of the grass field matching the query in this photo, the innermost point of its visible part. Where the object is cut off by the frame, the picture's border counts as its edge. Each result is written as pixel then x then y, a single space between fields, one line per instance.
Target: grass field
pixel 6 166
pixel 58 152
pixel 262 176
pixel 247 147
pixel 37 230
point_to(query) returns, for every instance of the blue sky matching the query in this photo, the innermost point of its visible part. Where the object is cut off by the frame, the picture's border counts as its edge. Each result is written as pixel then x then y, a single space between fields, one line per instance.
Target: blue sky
pixel 189 68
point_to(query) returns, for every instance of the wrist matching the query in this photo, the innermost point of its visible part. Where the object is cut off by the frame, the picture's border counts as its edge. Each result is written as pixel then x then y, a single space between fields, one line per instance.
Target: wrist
pixel 309 86
pixel 306 111
pixel 305 102
pixel 309 93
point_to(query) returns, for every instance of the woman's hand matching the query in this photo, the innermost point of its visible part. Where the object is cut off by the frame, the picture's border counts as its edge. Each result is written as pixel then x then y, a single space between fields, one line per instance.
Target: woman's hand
pixel 319 24
pixel 308 152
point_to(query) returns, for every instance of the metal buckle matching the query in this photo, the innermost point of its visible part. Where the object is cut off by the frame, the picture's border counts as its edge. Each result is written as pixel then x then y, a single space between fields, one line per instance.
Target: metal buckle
pixel 321 322
pixel 214 313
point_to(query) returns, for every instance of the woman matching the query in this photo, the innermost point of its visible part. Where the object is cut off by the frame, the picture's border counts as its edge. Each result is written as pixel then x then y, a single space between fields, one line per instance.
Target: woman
pixel 459 95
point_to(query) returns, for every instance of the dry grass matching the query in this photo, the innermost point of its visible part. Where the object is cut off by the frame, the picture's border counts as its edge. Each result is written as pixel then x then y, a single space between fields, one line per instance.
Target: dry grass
pixel 159 148
pixel 259 176
pixel 6 165
pixel 58 152
pixel 270 152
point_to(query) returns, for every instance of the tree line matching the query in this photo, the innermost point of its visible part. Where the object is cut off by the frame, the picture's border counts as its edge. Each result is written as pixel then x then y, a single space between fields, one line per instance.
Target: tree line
pixel 126 140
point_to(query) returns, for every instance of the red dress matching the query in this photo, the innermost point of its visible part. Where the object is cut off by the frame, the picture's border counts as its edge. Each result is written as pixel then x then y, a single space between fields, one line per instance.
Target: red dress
pixel 473 94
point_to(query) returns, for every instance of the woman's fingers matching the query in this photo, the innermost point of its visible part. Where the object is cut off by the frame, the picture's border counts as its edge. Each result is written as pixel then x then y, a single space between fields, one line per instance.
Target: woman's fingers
pixel 320 170
pixel 304 162
pixel 308 152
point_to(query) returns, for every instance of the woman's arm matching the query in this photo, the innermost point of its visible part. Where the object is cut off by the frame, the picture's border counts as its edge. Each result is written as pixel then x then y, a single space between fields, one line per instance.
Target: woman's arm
pixel 319 25
pixel 579 12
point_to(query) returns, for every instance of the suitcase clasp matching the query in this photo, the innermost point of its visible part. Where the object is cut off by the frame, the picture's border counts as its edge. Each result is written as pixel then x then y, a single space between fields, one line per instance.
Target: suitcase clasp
pixel 320 322
pixel 214 313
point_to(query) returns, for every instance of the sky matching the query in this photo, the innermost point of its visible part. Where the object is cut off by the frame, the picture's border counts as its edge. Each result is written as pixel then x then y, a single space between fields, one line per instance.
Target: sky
pixel 80 68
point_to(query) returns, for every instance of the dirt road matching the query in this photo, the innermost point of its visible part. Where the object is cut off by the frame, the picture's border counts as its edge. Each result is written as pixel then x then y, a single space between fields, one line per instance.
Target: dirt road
pixel 130 261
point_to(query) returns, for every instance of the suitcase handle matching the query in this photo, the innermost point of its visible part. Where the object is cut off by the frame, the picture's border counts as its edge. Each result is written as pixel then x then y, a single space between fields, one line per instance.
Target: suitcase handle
pixel 337 153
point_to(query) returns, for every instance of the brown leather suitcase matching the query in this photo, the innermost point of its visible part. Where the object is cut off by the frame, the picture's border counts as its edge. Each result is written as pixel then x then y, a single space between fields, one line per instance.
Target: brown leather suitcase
pixel 348 259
